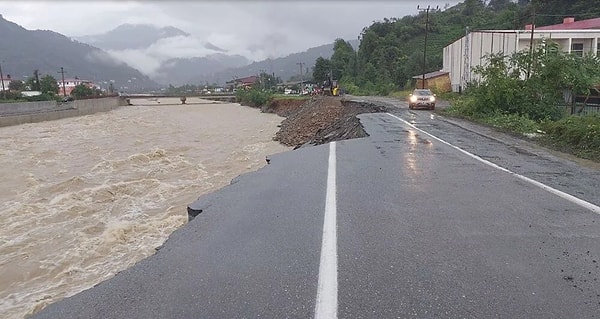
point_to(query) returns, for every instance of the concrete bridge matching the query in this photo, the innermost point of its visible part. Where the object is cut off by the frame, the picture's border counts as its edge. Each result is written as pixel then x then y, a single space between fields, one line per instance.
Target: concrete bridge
pixel 212 97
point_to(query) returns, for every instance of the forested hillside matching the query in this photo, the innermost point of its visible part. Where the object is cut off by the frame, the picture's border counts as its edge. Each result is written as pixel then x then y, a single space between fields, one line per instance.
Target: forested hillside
pixel 391 50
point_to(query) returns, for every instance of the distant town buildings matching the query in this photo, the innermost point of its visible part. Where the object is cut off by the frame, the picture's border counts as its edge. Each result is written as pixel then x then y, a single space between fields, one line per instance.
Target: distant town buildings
pixel 460 57
pixel 245 82
pixel 70 84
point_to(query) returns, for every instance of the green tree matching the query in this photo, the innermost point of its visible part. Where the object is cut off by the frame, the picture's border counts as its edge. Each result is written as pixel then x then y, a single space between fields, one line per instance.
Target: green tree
pixel 16 85
pixel 498 5
pixel 321 70
pixel 81 90
pixel 343 60
pixel 33 83
pixel 48 84
pixel 267 81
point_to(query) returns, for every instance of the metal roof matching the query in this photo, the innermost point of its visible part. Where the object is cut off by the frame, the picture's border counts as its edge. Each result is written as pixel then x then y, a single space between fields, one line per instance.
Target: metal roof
pixel 431 75
pixel 583 24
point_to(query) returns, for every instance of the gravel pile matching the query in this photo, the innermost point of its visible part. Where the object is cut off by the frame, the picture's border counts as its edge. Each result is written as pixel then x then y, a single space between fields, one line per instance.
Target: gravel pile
pixel 323 119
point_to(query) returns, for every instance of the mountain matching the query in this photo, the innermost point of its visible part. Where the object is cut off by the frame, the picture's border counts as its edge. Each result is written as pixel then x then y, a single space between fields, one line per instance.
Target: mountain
pixel 285 67
pixel 167 55
pixel 22 51
pixel 181 71
pixel 130 36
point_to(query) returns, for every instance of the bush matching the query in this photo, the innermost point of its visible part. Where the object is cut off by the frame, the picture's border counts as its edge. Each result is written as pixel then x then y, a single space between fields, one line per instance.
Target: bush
pixel 512 123
pixel 462 106
pixel 253 97
pixel 577 134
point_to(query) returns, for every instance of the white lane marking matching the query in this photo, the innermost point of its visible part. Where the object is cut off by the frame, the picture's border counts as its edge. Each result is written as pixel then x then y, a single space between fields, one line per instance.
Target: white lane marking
pixel 569 197
pixel 327 294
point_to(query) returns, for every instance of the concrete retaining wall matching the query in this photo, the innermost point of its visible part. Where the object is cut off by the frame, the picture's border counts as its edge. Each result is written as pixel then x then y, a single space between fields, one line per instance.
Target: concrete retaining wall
pixel 25 107
pixel 74 108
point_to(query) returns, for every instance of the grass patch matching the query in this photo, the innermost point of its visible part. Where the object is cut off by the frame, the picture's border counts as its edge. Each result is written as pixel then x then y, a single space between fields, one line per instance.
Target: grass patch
pixel 512 123
pixel 577 135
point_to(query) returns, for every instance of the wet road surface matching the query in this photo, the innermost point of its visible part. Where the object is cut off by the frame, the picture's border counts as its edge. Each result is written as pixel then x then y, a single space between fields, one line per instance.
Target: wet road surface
pixel 421 230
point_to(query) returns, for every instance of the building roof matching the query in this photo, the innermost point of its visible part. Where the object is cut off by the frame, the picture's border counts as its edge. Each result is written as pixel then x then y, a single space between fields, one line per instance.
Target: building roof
pixel 430 75
pixel 571 24
pixel 73 80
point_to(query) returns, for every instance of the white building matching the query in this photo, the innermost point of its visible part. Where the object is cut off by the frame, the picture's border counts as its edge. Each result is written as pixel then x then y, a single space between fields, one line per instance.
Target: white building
pixel 4 84
pixel 464 54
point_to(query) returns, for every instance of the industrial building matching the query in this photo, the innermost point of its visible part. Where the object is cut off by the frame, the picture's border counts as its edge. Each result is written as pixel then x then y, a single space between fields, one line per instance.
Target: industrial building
pixel 460 57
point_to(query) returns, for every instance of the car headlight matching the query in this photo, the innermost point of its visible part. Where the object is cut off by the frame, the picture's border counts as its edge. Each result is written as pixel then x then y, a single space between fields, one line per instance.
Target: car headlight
pixel 413 99
pixel 432 99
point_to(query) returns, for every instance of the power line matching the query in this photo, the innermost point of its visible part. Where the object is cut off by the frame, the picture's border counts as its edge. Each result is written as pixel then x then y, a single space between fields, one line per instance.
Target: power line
pixel 425 46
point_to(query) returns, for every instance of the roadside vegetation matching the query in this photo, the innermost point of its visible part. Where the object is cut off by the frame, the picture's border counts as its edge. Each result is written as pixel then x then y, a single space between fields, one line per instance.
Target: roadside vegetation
pixel 525 94
pixel 253 97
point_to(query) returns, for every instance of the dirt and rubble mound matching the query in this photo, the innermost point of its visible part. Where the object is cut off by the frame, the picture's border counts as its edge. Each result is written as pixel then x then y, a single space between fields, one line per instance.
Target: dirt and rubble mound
pixel 284 107
pixel 323 119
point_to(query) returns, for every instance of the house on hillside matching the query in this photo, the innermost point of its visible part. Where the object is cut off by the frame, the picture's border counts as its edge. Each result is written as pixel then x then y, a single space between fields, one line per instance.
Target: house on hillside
pixel 461 56
pixel 438 81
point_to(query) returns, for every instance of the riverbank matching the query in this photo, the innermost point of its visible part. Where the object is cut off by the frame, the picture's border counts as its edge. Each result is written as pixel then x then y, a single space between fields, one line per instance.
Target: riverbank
pixel 35 112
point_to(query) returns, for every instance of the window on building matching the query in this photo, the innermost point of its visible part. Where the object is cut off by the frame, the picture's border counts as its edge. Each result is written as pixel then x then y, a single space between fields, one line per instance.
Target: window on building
pixel 577 49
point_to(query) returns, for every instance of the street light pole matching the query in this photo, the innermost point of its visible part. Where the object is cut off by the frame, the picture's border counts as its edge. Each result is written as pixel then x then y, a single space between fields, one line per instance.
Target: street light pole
pixel 425 46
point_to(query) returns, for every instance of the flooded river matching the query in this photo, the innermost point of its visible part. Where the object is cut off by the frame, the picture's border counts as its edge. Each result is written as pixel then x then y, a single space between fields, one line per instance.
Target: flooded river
pixel 84 198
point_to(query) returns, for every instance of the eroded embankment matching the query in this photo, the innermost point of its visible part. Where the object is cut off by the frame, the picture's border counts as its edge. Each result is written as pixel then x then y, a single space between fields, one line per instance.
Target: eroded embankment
pixel 319 120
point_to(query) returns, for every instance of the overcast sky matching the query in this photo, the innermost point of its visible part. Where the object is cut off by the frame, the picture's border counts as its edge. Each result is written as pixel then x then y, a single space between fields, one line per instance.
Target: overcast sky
pixel 255 29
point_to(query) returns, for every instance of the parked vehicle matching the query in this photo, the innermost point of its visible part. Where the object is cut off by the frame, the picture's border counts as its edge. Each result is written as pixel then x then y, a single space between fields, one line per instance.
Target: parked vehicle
pixel 421 98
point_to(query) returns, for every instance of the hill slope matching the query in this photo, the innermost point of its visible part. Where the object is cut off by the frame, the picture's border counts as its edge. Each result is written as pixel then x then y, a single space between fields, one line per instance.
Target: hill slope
pixel 285 67
pixel 24 51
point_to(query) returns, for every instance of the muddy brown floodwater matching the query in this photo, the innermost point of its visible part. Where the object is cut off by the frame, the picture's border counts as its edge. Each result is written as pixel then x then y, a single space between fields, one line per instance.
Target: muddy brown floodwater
pixel 84 198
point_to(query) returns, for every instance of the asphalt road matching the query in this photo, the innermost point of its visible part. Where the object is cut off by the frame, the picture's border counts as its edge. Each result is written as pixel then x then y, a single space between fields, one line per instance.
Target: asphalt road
pixel 420 229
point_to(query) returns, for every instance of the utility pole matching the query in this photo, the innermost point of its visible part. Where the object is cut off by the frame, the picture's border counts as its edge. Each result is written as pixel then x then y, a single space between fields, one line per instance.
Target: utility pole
pixel 36 75
pixel 2 79
pixel 301 79
pixel 467 63
pixel 531 43
pixel 425 47
pixel 62 72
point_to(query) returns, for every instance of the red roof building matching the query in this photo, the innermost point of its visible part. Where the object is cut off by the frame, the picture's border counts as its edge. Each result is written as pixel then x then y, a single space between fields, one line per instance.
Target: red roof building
pixel 242 82
pixel 70 84
pixel 570 24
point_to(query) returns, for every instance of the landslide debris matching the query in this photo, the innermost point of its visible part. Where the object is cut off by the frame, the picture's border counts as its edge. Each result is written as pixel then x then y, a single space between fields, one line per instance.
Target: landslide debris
pixel 320 120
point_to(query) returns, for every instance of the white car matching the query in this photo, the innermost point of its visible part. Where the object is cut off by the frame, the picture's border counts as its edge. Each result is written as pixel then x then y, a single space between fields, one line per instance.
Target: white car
pixel 421 98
